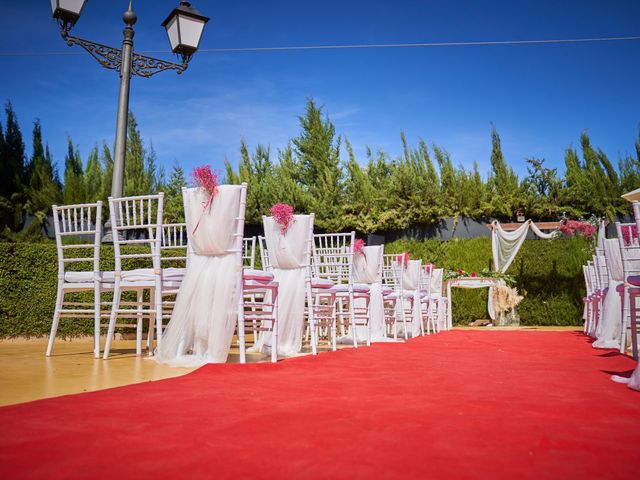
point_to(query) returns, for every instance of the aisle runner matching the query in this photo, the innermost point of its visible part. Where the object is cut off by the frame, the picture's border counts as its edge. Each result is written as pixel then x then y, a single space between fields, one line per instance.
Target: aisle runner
pixel 460 404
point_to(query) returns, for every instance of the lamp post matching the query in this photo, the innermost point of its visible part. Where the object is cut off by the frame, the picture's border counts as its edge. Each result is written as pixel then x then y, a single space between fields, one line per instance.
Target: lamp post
pixel 184 27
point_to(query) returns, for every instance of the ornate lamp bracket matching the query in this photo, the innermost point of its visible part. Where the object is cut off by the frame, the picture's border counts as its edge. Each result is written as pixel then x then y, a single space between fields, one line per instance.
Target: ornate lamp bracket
pixel 110 57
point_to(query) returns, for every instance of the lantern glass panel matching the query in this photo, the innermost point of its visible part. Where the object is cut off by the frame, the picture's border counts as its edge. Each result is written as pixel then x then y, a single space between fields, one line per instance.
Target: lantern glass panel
pixel 190 31
pixel 174 35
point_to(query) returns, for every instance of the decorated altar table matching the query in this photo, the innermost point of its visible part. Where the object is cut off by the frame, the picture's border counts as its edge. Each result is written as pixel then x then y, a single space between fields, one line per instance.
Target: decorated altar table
pixel 472 282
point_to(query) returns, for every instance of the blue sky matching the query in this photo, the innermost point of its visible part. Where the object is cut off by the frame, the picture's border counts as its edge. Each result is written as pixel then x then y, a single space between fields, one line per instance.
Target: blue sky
pixel 540 97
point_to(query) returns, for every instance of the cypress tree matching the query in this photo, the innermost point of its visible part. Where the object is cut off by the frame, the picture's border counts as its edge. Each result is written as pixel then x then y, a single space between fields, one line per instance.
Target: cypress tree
pixel 173 206
pixel 74 189
pixel 93 176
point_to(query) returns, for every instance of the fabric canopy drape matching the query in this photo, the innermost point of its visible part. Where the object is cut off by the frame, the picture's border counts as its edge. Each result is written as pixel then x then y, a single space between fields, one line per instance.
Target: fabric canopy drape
pixel 505 245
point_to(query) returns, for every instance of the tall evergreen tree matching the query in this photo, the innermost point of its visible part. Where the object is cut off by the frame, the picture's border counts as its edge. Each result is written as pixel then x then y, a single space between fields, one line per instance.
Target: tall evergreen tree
pixel 93 176
pixel 135 180
pixel 173 206
pixel 44 188
pixel 107 171
pixel 74 188
pixel 318 151
pixel 503 180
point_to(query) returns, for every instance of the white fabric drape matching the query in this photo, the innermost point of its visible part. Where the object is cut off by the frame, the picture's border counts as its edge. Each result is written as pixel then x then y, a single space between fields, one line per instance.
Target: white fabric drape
pixel 288 254
pixel 435 295
pixel 367 269
pixel 411 283
pixel 608 334
pixel 205 313
pixel 505 245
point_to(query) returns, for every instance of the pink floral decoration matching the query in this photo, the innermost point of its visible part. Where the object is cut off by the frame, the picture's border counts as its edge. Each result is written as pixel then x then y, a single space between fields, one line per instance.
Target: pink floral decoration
pixel 574 227
pixel 358 247
pixel 282 213
pixel 203 177
pixel 403 259
pixel 428 267
pixel 629 232
pixel 474 274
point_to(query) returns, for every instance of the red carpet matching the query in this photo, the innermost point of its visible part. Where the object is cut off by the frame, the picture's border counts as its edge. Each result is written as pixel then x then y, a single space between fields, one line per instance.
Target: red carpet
pixel 460 404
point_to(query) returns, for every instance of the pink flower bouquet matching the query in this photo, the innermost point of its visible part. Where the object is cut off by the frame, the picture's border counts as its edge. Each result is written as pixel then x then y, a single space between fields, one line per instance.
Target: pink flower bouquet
pixel 282 213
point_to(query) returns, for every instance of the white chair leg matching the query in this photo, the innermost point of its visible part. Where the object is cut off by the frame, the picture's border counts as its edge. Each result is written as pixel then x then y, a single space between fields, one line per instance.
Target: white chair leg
pixel 112 318
pixel 634 327
pixel 158 309
pixel 274 334
pixel 625 324
pixel 56 319
pixel 139 321
pixel 96 320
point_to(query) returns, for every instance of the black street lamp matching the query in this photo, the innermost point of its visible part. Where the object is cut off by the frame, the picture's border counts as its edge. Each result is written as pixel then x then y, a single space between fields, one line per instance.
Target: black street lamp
pixel 184 26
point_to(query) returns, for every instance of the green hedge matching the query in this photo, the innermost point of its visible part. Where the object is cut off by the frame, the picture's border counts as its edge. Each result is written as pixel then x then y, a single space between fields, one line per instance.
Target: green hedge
pixel 549 273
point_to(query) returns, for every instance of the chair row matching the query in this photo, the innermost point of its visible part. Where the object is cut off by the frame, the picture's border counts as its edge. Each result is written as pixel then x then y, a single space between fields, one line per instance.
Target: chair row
pixel 150 259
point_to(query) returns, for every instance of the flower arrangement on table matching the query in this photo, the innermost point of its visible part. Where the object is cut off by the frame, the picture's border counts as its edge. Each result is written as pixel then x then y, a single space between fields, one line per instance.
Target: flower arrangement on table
pixel 505 298
pixel 282 213
pixel 204 178
pixel 453 273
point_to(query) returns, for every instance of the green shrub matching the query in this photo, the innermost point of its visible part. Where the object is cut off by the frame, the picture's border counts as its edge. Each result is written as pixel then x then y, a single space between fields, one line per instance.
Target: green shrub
pixel 548 273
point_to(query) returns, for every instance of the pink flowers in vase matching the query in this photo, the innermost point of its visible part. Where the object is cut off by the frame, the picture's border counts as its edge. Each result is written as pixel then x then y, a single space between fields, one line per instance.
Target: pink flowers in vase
pixel 282 213
pixel 358 247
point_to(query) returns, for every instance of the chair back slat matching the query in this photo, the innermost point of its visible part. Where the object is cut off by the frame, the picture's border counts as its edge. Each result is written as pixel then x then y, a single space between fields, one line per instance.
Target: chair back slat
pixel 78 222
pixel 137 228
pixel 249 252
pixel 332 256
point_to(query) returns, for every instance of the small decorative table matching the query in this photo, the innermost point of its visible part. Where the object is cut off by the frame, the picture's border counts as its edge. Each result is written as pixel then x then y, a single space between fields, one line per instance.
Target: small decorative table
pixel 472 282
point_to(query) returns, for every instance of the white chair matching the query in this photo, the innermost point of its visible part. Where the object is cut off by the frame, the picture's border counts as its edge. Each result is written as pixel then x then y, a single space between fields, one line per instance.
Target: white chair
pixel 75 226
pixel 137 232
pixel 587 299
pixel 631 265
pixel 429 305
pixel 332 260
pixel 401 303
pixel 288 255
pixel 440 302
pixel 174 254
pixel 259 301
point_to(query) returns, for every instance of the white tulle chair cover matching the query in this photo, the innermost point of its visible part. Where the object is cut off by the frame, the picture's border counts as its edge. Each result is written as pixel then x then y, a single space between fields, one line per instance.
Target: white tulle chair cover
pixel 435 295
pixel 367 269
pixel 411 283
pixel 205 313
pixel 608 333
pixel 288 254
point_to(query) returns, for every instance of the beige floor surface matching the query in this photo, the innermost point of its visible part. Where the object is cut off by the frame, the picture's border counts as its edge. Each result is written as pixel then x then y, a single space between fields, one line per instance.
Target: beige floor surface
pixel 27 374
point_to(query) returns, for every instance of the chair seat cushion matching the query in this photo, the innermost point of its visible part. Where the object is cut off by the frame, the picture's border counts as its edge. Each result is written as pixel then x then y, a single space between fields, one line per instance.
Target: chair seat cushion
pixel 357 288
pixel 172 274
pixel 387 290
pixel 86 277
pixel 634 280
pixel 620 288
pixel 256 275
pixel 321 283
